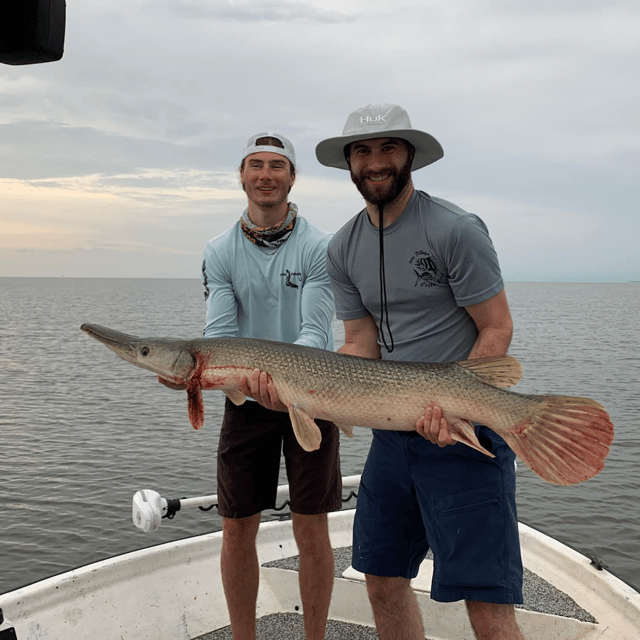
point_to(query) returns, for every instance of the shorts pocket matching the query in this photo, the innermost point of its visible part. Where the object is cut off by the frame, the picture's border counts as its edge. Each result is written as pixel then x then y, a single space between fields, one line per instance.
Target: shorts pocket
pixel 469 549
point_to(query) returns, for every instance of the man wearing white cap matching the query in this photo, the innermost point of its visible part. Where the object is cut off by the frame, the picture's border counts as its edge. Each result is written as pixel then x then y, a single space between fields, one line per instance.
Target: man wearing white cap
pixel 266 277
pixel 437 296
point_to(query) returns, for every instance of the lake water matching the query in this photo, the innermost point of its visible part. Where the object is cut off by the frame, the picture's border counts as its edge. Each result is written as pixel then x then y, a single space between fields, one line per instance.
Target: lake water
pixel 81 431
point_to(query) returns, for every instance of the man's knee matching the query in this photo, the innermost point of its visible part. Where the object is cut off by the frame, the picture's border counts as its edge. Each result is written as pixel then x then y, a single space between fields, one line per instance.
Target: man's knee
pixel 492 621
pixel 311 533
pixel 240 533
pixel 387 591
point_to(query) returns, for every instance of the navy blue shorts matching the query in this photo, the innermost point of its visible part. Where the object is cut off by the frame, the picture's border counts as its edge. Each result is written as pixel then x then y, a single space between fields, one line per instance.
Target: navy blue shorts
pixel 415 496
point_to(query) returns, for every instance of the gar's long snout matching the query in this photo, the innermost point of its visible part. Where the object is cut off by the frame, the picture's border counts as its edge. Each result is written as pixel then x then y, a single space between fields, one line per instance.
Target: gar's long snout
pixel 167 357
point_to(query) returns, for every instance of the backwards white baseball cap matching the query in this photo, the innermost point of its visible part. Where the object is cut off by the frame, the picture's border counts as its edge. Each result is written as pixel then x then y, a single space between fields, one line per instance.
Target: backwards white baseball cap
pixel 268 141
pixel 379 121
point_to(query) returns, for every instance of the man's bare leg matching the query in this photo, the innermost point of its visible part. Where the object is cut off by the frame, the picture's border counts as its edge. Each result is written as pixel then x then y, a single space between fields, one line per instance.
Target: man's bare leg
pixel 395 608
pixel 315 572
pixel 493 621
pixel 240 573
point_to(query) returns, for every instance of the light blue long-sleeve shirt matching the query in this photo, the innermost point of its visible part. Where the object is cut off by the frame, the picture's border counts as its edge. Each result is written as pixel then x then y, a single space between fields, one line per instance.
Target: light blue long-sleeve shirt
pixel 283 294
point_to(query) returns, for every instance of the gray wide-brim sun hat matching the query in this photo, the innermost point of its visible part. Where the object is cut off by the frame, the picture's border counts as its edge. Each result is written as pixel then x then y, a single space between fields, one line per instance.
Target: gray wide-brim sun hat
pixel 379 121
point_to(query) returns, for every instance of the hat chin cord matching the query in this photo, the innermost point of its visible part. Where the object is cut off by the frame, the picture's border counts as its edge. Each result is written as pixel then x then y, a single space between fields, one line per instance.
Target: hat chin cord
pixel 384 313
pixel 384 308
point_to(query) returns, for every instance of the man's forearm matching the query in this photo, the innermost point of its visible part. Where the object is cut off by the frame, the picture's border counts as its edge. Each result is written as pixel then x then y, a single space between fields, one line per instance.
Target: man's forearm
pixel 495 327
pixel 491 342
pixel 361 338
pixel 356 349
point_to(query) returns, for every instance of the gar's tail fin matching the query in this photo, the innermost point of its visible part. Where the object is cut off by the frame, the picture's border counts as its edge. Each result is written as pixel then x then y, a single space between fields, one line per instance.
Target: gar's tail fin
pixel 565 441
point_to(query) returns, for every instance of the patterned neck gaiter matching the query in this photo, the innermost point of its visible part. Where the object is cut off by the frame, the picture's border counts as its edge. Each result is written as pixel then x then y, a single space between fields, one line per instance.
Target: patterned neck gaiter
pixel 270 237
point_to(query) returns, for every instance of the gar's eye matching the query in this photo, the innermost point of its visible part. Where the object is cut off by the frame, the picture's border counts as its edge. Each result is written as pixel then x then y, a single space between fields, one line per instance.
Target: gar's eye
pixel 144 351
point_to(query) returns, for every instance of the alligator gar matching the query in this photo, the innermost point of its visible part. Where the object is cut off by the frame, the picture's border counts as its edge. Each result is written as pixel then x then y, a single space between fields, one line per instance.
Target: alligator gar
pixel 564 440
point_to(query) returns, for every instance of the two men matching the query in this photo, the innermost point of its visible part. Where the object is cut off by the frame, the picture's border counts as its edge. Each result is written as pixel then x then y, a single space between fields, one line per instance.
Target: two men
pixel 438 295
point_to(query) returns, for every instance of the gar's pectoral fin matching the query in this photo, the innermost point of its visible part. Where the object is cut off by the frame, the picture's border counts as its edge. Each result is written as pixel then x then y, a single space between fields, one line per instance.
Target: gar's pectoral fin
pixel 306 430
pixel 235 395
pixel 463 431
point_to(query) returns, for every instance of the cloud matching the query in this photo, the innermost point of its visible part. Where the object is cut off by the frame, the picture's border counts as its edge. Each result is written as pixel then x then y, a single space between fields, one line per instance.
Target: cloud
pixel 252 11
pixel 134 137
pixel 35 149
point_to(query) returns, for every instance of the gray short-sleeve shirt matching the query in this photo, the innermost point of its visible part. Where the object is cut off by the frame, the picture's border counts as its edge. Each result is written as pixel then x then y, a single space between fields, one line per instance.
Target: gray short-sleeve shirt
pixel 438 259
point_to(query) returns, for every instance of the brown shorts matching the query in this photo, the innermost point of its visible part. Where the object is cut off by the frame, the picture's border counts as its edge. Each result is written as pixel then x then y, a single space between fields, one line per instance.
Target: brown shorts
pixel 251 439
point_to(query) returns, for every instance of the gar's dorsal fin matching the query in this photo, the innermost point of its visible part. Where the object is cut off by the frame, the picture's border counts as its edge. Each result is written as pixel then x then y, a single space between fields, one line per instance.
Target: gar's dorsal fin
pixel 503 372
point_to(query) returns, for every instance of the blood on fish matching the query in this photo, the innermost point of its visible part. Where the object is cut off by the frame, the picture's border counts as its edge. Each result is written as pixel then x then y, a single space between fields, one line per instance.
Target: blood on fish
pixel 218 377
pixel 195 405
pixel 213 382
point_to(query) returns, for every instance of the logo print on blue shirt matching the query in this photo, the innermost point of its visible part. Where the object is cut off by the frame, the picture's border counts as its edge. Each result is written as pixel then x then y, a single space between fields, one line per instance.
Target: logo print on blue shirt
pixel 289 277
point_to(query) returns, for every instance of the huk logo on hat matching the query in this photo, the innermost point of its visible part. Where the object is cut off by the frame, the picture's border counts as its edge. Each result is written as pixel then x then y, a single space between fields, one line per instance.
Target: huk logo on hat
pixel 372 120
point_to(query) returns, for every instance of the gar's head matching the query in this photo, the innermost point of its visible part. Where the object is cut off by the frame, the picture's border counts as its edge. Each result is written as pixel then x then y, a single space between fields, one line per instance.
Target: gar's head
pixel 164 356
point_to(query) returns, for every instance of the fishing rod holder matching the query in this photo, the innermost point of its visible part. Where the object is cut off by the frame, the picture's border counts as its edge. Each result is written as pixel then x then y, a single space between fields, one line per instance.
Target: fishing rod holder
pixel 149 508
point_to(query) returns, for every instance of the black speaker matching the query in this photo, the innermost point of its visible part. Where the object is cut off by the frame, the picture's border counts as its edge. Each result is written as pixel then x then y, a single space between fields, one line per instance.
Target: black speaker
pixel 31 31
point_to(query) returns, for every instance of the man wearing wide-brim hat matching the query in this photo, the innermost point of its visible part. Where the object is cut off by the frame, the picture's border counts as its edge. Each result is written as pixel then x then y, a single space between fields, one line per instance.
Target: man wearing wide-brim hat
pixel 417 278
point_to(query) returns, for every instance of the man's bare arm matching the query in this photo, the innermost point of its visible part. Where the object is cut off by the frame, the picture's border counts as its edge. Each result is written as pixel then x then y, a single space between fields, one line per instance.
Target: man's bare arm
pixel 361 338
pixel 495 326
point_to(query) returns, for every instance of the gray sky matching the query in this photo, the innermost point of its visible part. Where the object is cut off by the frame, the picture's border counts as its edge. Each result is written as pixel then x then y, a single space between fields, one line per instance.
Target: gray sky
pixel 121 159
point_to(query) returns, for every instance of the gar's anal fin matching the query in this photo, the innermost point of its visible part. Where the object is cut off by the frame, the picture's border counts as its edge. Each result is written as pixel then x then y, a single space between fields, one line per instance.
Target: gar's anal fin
pixel 463 431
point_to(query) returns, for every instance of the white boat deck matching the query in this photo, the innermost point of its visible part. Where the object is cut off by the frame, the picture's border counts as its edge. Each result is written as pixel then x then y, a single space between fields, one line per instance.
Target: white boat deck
pixel 289 626
pixel 583 609
pixel 173 592
pixel 539 596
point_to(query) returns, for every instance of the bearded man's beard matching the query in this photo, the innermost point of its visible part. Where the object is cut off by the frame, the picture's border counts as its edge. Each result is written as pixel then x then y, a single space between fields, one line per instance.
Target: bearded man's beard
pixel 382 197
